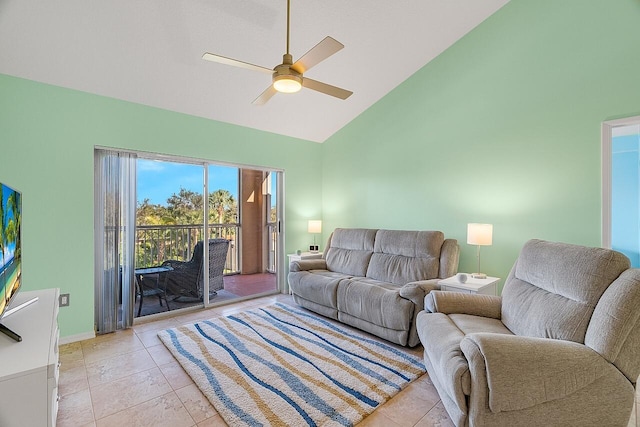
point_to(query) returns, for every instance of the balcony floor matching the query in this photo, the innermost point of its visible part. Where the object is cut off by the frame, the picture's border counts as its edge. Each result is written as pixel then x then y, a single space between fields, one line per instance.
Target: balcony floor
pixel 235 286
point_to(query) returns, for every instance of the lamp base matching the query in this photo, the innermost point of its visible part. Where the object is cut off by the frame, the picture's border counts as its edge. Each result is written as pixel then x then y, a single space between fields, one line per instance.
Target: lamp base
pixel 478 275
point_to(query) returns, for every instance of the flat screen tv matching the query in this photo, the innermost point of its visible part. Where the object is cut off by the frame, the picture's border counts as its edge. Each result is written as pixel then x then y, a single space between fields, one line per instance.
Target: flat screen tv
pixel 10 249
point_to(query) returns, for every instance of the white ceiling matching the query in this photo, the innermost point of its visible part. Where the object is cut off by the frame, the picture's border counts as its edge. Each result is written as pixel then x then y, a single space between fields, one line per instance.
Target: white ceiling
pixel 149 52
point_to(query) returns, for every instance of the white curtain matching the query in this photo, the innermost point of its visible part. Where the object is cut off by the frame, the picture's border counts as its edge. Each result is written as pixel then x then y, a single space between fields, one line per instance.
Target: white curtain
pixel 115 216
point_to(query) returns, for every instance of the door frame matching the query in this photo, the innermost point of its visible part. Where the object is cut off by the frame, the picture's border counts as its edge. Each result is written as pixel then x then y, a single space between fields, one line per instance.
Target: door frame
pixel 608 128
pixel 205 163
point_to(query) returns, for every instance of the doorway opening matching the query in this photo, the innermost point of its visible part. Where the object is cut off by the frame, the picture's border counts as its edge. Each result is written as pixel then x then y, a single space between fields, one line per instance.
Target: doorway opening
pixel 621 187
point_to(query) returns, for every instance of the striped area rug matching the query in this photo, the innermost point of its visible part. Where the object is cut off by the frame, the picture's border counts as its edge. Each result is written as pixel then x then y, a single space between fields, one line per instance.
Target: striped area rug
pixel 280 365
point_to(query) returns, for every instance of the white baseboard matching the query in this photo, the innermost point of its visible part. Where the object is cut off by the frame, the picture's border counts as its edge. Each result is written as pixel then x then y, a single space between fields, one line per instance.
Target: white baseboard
pixel 79 337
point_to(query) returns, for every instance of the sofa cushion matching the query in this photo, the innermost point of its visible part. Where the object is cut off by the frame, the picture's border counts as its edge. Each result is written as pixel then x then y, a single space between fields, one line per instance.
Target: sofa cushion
pixel 560 298
pixel 470 324
pixel 441 335
pixel 395 336
pixel 376 302
pixel 400 257
pixel 316 285
pixel 349 250
pixel 441 340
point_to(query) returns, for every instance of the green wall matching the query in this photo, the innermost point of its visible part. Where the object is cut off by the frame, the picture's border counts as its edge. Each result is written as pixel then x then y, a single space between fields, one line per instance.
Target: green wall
pixel 503 127
pixel 47 139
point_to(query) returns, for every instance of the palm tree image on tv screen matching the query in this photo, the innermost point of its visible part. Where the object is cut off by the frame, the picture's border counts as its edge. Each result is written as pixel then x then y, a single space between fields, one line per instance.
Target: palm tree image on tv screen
pixel 10 252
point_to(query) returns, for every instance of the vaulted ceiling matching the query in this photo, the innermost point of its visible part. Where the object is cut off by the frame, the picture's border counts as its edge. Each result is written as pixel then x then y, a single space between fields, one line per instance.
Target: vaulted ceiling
pixel 149 52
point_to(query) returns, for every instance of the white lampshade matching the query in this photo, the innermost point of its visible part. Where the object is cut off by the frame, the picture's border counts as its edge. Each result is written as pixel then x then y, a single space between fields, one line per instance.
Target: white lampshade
pixel 315 226
pixel 480 234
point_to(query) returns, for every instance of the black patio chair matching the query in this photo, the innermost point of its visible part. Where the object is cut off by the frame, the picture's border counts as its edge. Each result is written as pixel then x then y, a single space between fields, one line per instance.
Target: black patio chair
pixel 186 280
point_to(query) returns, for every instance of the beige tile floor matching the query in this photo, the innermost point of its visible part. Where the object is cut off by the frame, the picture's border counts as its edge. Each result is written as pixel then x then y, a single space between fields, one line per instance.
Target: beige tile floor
pixel 129 378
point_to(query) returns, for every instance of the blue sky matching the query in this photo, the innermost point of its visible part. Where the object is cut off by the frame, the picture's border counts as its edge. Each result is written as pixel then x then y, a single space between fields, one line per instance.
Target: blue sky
pixel 158 180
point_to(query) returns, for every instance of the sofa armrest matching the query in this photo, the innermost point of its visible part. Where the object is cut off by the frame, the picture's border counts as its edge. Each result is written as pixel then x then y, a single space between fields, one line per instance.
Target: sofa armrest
pixel 522 372
pixel 308 264
pixel 415 291
pixel 456 302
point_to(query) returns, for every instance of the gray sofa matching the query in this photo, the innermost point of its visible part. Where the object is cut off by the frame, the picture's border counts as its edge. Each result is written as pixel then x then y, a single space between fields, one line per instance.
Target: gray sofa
pixel 560 347
pixel 375 280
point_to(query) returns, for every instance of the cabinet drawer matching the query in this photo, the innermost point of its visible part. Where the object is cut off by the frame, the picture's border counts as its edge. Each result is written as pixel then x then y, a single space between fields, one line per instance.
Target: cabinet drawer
pixel 452 289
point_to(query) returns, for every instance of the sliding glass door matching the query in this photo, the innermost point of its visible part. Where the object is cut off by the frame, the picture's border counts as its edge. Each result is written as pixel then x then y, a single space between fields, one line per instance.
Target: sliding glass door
pixel 170 230
pixel 257 237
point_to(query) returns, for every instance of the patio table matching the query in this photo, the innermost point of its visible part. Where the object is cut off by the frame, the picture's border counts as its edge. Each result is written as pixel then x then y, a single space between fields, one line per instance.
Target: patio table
pixel 160 286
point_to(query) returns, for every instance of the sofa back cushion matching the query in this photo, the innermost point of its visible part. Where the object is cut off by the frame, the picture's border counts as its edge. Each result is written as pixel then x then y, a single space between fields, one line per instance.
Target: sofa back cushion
pixel 400 257
pixel 553 288
pixel 349 250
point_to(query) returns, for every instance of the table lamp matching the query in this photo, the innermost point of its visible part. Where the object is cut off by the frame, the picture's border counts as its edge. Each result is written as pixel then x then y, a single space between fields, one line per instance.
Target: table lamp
pixel 314 227
pixel 480 235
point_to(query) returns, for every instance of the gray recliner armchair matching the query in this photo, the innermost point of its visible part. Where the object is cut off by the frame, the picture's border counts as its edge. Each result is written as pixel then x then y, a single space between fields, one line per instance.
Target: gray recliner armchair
pixel 560 347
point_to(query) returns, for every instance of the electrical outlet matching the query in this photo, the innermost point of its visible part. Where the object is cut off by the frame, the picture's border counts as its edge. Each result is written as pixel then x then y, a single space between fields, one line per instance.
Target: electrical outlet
pixel 64 300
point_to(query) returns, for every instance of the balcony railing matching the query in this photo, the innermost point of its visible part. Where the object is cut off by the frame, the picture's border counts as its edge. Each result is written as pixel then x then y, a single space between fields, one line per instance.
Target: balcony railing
pixel 158 243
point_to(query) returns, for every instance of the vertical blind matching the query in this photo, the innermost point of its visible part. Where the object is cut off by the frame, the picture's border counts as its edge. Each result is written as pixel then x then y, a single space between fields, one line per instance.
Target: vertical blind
pixel 115 203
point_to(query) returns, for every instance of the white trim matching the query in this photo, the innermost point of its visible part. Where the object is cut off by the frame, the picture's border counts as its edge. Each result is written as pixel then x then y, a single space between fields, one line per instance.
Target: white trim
pixel 627 121
pixel 78 337
pixel 205 239
pixel 609 127
pixel 606 185
pixel 632 129
pixel 146 155
pixel 281 272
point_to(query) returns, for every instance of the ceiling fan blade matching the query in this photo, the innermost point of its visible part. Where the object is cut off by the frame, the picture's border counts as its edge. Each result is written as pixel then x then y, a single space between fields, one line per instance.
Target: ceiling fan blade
pixel 265 96
pixel 326 89
pixel 234 62
pixel 327 47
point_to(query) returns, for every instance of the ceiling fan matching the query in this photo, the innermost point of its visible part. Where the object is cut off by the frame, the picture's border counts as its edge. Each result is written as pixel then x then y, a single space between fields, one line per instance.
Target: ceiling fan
pixel 288 76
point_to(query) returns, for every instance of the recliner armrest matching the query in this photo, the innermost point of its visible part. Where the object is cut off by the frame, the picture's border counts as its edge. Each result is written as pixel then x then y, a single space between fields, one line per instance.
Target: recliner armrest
pixel 308 264
pixel 522 372
pixel 460 303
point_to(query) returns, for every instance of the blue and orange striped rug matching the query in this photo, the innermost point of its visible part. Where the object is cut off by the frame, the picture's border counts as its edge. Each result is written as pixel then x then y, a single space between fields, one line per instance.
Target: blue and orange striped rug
pixel 281 365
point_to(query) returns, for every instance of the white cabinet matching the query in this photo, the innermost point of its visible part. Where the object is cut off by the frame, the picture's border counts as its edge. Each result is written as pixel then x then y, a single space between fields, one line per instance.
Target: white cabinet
pixel 304 255
pixel 29 369
pixel 471 286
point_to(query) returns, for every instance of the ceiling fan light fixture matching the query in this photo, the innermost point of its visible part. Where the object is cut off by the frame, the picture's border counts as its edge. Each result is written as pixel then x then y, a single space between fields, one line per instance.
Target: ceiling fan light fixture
pixel 287 77
pixel 287 83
